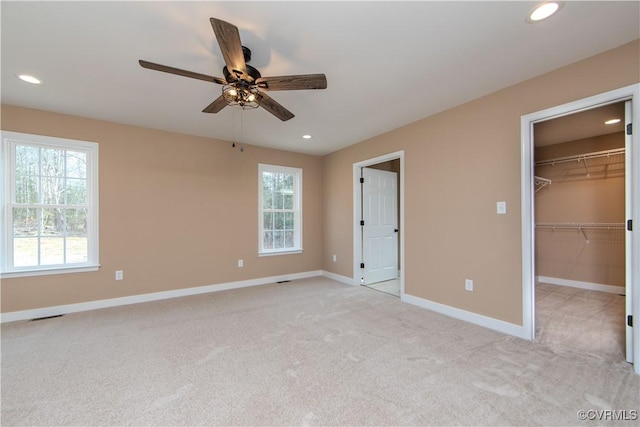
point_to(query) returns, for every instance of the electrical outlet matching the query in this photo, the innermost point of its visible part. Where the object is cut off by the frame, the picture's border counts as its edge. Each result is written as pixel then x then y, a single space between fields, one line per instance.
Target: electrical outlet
pixel 119 275
pixel 240 263
pixel 501 208
pixel 468 285
pixel 335 258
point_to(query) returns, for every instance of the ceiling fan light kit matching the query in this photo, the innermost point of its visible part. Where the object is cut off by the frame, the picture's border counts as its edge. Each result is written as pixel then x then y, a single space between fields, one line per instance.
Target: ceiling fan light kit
pixel 244 97
pixel 242 84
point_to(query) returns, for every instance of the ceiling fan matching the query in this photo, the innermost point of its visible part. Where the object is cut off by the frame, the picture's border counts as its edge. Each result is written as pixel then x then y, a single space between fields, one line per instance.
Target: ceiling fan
pixel 242 84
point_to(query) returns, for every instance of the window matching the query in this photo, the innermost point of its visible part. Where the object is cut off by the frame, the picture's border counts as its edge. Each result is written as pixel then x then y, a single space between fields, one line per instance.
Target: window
pixel 49 205
pixel 280 216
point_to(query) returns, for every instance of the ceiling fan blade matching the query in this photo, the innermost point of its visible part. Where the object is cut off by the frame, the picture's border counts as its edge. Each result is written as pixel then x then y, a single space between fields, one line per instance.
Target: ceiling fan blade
pixel 218 104
pixel 178 71
pixel 229 40
pixel 298 82
pixel 274 108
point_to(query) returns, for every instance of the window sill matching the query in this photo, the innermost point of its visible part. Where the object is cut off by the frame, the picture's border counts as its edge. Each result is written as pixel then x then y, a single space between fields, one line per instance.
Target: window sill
pixel 292 252
pixel 48 271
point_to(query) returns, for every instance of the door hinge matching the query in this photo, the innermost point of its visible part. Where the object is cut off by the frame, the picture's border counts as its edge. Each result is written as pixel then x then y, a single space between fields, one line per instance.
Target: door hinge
pixel 362 265
pixel 362 222
pixel 629 128
pixel 630 320
pixel 361 180
pixel 629 225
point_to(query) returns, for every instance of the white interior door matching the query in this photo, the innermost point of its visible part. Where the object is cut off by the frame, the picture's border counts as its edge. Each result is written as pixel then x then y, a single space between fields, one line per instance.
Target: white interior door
pixel 380 229
pixel 628 246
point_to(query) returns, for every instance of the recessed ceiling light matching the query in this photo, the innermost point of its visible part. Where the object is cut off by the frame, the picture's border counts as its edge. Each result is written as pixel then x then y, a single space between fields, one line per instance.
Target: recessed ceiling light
pixel 543 11
pixel 612 121
pixel 29 79
pixel 306 136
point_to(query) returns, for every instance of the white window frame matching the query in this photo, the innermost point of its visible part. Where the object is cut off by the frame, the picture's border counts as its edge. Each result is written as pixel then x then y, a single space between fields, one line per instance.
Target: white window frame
pixel 9 141
pixel 297 209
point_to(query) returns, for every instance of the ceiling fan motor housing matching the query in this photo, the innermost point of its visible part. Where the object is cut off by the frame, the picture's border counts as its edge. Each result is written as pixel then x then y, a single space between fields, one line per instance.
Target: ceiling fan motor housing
pixel 252 75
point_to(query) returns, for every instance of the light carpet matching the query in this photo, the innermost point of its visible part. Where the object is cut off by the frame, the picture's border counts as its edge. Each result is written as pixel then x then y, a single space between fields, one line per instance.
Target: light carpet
pixel 308 352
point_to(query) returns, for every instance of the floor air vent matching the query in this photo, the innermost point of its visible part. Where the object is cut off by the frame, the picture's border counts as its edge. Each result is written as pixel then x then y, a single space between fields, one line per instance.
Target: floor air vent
pixel 46 317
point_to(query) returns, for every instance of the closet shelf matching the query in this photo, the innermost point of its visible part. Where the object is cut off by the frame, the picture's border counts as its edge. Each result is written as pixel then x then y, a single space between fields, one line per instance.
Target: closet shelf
pixel 581 157
pixel 540 183
pixel 581 227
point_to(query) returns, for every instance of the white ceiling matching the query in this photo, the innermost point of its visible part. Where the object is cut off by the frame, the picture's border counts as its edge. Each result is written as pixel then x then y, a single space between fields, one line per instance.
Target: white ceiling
pixel 585 124
pixel 387 63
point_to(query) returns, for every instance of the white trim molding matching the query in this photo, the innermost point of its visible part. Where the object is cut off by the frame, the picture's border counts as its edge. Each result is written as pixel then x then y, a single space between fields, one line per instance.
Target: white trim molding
pixel 155 296
pixel 468 316
pixel 581 285
pixel 357 213
pixel 338 278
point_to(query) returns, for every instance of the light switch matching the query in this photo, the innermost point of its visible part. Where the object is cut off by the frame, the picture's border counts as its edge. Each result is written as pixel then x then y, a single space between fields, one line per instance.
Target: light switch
pixel 501 208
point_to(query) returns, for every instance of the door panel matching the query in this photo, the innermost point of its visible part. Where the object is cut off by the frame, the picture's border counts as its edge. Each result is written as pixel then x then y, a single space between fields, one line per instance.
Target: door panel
pixel 380 215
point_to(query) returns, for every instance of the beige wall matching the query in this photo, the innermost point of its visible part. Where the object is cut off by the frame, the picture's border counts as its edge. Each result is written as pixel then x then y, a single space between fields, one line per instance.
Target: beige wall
pixel 458 164
pixel 176 211
pixel 574 197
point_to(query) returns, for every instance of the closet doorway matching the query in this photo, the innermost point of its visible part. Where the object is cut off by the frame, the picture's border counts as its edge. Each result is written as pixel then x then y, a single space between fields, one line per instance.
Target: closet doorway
pixel 378 213
pixel 630 96
pixel 579 204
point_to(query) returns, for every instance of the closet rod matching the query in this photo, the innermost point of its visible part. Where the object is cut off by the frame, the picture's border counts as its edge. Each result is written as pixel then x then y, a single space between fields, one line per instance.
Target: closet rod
pixel 579 157
pixel 582 227
pixel 578 226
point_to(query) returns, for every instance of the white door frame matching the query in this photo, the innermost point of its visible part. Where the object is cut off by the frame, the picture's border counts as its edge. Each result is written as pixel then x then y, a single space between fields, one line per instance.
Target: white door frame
pixel 357 214
pixel 632 93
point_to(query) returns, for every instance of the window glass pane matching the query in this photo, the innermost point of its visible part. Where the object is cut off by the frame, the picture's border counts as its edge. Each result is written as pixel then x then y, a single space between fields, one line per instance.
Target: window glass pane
pixel 288 239
pixel 76 222
pixel 25 252
pixel 25 222
pixel 27 160
pixel 76 164
pixel 278 239
pixel 278 202
pixel 288 220
pixel 267 190
pixel 52 190
pixel 288 200
pixel 52 222
pixel 278 220
pixel 52 162
pixel 267 240
pixel 288 182
pixel 76 191
pixel 26 189
pixel 277 182
pixel 51 250
pixel 267 223
pixel 77 249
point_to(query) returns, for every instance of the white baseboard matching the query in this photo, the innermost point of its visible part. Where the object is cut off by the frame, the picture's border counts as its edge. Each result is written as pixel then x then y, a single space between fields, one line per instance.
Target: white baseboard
pixel 338 278
pixel 468 316
pixel 135 299
pixel 582 285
